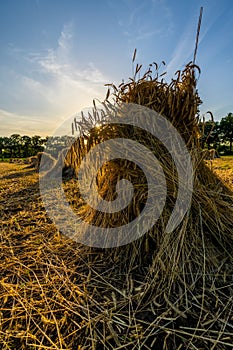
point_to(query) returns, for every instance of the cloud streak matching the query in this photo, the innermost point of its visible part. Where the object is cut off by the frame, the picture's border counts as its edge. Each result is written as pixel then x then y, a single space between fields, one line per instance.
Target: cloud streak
pixel 136 22
pixel 54 87
pixel 13 123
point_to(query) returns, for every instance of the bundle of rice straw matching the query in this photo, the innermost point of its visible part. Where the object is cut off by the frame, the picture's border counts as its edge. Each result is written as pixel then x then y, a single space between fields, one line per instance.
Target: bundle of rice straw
pixel 164 290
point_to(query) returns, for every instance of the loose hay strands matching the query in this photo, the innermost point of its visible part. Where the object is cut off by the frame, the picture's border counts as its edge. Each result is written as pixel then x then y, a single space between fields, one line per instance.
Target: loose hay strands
pixel 163 291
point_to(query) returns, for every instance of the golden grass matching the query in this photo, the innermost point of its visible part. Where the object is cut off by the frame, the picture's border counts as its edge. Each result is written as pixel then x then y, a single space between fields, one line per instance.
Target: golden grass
pixel 223 168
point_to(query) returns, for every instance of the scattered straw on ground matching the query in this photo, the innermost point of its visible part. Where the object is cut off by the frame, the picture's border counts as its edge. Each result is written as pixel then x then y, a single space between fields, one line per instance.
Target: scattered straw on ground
pixel 55 294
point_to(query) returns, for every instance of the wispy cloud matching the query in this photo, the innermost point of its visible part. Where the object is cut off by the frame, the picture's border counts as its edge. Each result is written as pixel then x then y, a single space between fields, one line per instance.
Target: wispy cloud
pixel 181 54
pixel 58 65
pixel 146 19
pixel 13 123
pixel 186 44
pixel 66 36
pixel 53 87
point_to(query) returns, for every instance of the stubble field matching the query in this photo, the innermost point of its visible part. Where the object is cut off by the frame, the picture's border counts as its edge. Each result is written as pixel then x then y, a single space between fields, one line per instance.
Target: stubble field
pixel 39 286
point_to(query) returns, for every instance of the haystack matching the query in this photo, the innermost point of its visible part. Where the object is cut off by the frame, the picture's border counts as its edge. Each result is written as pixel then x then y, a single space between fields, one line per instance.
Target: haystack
pixel 166 290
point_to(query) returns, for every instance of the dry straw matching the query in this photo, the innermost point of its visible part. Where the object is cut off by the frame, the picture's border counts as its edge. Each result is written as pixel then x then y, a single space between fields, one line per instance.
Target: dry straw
pixel 174 289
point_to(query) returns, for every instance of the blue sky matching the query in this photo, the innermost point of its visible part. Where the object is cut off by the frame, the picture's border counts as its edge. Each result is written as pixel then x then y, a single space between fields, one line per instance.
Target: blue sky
pixel 56 55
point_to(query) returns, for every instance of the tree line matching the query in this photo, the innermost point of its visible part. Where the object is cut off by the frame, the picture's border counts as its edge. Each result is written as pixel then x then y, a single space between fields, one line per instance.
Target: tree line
pixel 17 146
pixel 218 135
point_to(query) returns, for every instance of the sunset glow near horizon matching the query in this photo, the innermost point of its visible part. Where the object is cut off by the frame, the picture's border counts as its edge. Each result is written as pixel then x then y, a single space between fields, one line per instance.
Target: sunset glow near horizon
pixel 56 56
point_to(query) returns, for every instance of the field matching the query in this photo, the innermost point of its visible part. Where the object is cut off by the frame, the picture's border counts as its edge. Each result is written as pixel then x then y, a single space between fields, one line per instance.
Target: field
pixel 223 167
pixel 43 299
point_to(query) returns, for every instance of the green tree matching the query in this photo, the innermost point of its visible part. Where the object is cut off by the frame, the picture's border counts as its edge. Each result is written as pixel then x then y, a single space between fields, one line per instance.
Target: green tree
pixel 37 144
pixel 26 146
pixel 2 146
pixel 15 145
pixel 5 144
pixel 226 129
pixel 210 132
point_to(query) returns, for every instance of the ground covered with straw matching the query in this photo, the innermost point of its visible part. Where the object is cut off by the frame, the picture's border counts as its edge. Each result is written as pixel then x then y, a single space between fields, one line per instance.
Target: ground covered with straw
pixel 163 291
pixel 56 294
